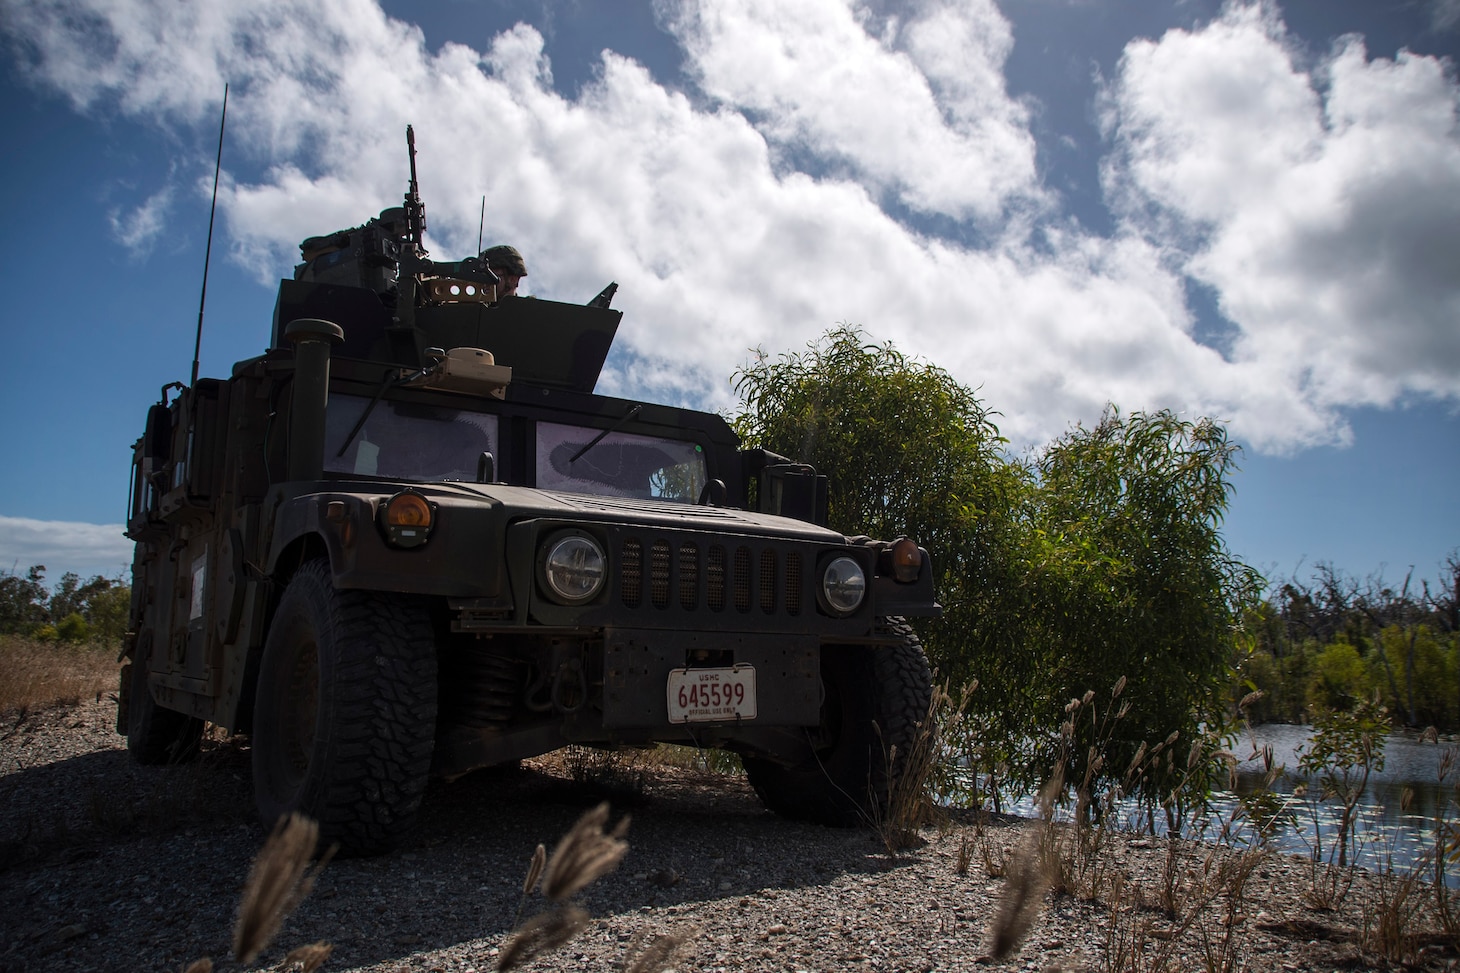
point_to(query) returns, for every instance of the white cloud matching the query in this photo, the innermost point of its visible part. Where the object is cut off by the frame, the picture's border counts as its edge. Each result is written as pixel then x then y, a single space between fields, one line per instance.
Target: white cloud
pixel 755 211
pixel 137 229
pixel 62 546
pixel 1323 208
pixel 918 106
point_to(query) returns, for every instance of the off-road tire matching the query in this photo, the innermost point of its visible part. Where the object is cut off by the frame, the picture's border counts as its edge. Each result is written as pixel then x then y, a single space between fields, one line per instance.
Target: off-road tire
pixel 876 699
pixel 345 716
pixel 155 734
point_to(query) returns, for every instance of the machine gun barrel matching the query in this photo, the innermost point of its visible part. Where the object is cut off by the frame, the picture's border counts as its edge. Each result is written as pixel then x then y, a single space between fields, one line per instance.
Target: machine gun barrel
pixel 415 209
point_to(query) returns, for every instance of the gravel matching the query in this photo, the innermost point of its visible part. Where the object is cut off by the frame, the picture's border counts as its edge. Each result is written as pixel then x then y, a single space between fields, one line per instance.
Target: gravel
pixel 105 865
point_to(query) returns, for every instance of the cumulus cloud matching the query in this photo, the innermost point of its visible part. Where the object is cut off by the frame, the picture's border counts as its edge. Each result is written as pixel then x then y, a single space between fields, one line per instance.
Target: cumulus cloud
pixel 62 546
pixel 1322 206
pixel 917 106
pixel 790 186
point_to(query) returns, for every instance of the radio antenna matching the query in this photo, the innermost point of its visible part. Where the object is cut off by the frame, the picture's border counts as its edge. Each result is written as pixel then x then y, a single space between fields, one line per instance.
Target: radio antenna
pixel 208 250
pixel 483 224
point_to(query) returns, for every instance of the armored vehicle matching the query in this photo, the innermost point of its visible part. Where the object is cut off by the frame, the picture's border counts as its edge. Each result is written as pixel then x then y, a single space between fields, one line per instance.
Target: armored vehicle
pixel 410 540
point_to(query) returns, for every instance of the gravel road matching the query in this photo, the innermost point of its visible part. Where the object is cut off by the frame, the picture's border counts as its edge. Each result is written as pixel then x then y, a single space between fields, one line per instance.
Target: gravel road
pixel 108 866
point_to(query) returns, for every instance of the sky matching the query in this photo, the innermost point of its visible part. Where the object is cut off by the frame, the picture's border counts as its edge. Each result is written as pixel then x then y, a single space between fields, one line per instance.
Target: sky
pixel 1245 211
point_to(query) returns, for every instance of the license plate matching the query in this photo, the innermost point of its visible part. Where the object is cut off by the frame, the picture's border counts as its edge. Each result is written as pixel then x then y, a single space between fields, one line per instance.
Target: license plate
pixel 712 695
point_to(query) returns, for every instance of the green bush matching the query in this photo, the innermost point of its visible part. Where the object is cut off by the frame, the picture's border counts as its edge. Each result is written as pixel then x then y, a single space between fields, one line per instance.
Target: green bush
pixel 73 629
pixel 1339 678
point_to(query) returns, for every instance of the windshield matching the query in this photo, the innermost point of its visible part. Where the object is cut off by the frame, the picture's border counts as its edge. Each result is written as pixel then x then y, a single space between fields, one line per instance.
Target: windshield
pixel 619 464
pixel 406 440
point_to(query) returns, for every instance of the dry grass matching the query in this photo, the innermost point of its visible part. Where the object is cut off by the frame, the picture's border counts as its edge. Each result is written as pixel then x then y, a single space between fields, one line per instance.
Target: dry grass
pixel 38 675
pixel 280 879
pixel 649 952
pixel 543 933
pixel 584 855
pixel 1028 881
pixel 911 777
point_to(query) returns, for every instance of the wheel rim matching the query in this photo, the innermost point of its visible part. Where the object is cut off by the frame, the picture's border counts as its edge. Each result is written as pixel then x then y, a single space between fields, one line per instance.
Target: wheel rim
pixel 300 721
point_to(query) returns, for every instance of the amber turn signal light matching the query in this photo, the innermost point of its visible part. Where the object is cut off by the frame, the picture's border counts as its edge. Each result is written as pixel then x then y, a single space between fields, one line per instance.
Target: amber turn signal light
pixel 907 560
pixel 407 519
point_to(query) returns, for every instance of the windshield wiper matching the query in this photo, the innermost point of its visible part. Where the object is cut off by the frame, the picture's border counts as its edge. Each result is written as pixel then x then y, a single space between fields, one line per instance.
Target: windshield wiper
pixel 599 438
pixel 391 377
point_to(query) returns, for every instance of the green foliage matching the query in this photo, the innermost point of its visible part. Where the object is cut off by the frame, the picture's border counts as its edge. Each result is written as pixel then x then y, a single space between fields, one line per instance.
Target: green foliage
pixel 1098 558
pixel 1329 644
pixel 906 448
pixel 1136 578
pixel 73 628
pixel 1339 677
pixel 107 610
pixel 72 612
pixel 1347 746
pixel 22 600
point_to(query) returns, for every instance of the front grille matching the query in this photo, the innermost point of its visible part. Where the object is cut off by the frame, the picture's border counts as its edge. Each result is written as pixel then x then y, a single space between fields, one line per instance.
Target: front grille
pixel 690 575
pixel 742 579
pixel 768 582
pixel 715 579
pixel 632 573
pixel 659 574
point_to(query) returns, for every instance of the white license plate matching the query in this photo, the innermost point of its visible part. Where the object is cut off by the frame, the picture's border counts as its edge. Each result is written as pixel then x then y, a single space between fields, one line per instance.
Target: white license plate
pixel 712 695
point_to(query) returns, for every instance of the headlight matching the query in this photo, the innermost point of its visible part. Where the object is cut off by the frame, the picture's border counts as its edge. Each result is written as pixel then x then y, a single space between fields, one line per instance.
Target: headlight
pixel 844 585
pixel 407 518
pixel 573 568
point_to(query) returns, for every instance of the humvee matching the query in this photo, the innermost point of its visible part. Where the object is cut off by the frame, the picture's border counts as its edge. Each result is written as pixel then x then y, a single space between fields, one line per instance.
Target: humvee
pixel 410 540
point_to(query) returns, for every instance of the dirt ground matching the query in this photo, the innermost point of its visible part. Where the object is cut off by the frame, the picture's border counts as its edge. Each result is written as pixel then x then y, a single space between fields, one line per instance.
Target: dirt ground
pixel 105 865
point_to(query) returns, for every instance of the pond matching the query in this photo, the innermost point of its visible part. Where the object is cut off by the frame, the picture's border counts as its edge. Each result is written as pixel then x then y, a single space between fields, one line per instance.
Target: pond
pixel 1387 833
pixel 1392 831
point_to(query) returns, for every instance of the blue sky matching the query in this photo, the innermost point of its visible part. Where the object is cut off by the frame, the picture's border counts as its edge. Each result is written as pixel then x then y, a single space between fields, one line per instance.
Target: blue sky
pixel 1247 211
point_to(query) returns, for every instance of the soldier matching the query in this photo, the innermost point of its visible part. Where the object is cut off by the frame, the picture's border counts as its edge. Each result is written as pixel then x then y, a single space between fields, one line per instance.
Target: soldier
pixel 509 267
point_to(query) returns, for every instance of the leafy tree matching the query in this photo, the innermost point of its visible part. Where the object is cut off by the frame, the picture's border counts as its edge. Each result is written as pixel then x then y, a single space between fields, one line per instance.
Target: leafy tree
pixel 22 600
pixel 107 611
pixel 907 451
pixel 1405 637
pixel 1101 557
pixel 100 607
pixel 1137 581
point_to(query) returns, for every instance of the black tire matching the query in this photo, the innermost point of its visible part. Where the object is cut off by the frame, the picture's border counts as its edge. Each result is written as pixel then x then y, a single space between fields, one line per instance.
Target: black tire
pixel 876 698
pixel 345 716
pixel 155 734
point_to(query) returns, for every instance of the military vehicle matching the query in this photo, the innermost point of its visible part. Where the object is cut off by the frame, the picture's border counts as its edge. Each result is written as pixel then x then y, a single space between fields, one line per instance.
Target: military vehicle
pixel 410 540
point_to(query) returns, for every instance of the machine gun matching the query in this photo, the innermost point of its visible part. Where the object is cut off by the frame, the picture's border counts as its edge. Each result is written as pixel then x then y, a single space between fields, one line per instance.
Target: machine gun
pixel 388 255
pixel 441 282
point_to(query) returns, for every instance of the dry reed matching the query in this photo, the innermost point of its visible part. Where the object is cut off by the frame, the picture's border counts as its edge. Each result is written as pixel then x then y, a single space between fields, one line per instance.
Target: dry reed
pixel 543 933
pixel 278 881
pixel 585 854
pixel 1029 879
pixel 308 958
pixel 651 952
